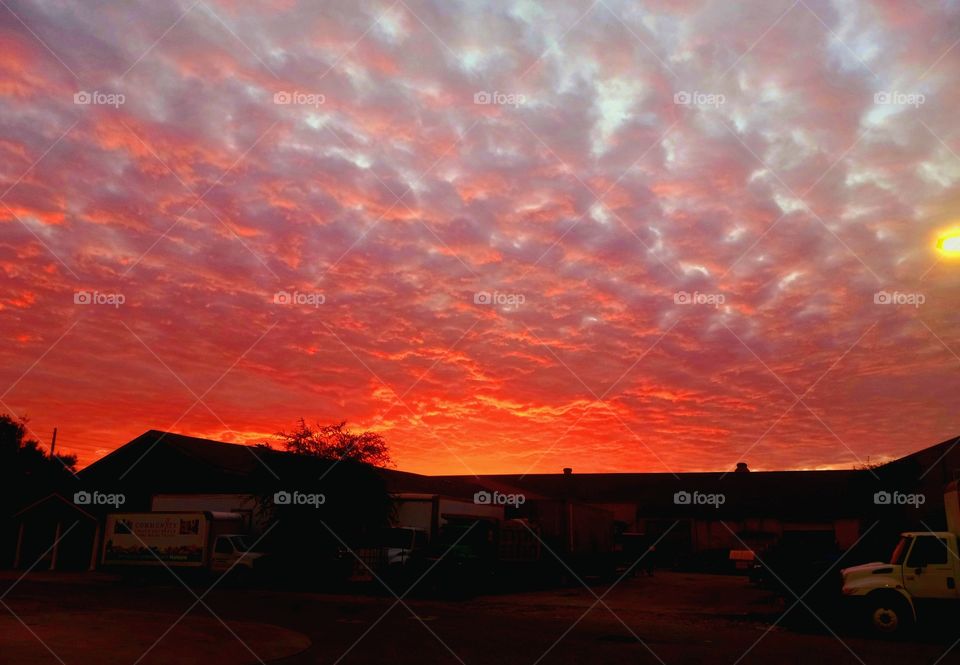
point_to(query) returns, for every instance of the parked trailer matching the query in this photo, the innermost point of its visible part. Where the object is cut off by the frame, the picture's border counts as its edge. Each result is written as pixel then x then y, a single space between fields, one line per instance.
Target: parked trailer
pixel 429 512
pixel 562 541
pixel 417 523
pixel 198 540
pixel 502 541
pixel 463 542
pixel 576 530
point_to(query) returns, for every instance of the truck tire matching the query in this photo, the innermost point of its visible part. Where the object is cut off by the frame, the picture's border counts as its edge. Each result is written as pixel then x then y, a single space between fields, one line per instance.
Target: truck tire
pixel 888 614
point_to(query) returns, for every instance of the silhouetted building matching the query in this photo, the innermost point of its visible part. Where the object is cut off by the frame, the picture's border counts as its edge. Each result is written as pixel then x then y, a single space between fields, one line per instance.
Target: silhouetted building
pixel 691 514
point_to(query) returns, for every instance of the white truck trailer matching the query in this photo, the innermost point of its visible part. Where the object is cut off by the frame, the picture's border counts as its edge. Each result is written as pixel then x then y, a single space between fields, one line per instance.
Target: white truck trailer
pixel 201 539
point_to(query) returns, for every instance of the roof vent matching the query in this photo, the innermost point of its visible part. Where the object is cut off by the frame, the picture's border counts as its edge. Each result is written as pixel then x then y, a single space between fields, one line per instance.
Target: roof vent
pixel 742 468
pixel 567 470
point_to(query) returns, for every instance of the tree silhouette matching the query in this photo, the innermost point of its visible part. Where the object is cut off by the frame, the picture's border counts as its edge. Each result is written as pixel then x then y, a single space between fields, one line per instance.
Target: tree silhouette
pixel 26 471
pixel 336 442
pixel 309 541
pixel 27 474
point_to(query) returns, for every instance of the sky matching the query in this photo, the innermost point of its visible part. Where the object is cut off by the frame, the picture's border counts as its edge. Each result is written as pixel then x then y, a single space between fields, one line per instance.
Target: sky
pixel 510 237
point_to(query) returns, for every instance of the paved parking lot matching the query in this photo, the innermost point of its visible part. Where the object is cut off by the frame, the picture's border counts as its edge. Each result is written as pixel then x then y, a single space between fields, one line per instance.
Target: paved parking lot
pixel 670 618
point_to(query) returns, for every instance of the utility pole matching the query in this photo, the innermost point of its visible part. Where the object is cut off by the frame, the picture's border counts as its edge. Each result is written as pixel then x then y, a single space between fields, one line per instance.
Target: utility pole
pixel 53 442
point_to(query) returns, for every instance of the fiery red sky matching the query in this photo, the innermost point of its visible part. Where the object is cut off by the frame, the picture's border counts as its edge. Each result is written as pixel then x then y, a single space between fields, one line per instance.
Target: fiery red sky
pixel 617 236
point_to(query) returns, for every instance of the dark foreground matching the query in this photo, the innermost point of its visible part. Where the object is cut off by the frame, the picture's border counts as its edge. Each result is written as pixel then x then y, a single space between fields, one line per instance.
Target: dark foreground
pixel 670 618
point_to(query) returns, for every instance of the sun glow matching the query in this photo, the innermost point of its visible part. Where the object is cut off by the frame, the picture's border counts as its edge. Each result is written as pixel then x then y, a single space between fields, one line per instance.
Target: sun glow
pixel 949 243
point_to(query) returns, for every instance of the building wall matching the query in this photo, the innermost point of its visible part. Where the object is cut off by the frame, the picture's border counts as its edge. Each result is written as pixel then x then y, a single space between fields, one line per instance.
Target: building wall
pixel 622 512
pixel 750 533
pixel 848 532
pixel 760 533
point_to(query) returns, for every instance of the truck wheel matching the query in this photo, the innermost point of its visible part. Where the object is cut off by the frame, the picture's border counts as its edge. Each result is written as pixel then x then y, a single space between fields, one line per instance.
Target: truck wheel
pixel 889 615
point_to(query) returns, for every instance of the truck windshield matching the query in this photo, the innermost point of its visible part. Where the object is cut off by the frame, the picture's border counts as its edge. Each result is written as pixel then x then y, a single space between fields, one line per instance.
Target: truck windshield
pixel 900 551
pixel 240 543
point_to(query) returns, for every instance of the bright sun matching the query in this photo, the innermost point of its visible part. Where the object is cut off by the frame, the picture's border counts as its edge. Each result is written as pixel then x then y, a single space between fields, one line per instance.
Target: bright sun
pixel 949 243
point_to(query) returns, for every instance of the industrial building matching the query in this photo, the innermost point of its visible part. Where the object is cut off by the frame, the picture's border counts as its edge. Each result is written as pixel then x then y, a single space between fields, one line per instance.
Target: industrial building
pixel 693 514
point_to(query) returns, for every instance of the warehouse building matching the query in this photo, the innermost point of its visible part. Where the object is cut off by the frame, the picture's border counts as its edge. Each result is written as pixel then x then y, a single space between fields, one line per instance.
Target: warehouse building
pixel 692 514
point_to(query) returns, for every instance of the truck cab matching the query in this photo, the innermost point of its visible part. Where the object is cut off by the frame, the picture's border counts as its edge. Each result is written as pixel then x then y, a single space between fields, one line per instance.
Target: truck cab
pixel 232 551
pixel 403 543
pixel 922 573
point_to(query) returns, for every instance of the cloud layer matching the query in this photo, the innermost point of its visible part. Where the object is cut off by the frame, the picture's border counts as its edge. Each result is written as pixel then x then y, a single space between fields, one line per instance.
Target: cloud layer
pixel 510 236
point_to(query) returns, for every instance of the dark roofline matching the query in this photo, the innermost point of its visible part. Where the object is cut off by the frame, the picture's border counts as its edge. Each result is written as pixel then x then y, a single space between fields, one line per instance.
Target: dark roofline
pixel 660 474
pixel 472 482
pixel 947 446
pixel 226 460
pixel 153 433
pixel 155 437
pixel 54 495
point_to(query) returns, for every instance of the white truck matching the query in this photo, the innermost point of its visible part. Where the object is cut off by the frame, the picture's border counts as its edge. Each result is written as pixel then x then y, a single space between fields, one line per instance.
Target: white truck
pixel 202 540
pixel 921 575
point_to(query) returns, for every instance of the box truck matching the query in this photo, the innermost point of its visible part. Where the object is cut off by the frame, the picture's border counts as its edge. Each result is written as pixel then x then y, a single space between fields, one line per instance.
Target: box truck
pixel 201 540
pixel 919 578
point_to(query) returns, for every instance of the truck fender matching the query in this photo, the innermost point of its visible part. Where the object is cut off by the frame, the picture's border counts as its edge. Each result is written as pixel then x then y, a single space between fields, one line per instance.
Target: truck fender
pixel 899 593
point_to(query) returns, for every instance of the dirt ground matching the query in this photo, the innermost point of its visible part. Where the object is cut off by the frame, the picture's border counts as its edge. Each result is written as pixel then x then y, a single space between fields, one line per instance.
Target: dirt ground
pixel 669 618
